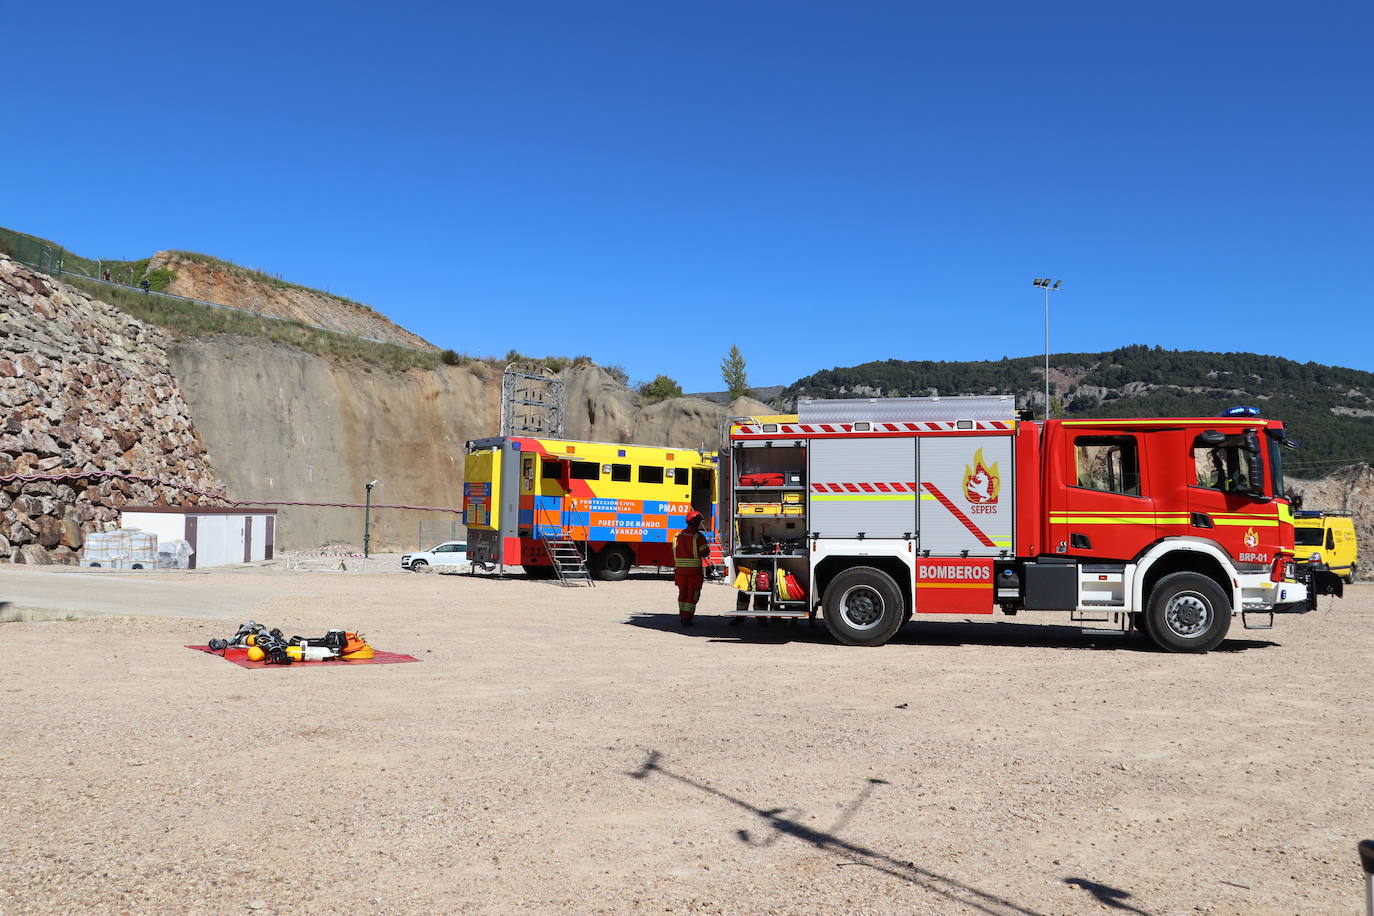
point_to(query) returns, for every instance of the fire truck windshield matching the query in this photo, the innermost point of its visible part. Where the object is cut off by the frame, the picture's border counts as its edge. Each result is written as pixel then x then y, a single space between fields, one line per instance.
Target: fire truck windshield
pixel 1234 466
pixel 1307 537
pixel 1276 445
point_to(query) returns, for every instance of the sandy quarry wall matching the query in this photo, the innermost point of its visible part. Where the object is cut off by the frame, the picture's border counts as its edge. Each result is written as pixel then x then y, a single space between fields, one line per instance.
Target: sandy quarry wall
pixel 286 425
pixel 84 387
pixel 296 427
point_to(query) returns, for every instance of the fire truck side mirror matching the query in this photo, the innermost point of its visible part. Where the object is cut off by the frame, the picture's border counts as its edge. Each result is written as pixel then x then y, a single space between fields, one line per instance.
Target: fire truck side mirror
pixel 1211 438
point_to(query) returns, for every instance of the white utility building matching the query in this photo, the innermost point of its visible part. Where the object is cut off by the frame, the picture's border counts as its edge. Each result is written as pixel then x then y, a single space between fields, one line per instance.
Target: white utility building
pixel 217 536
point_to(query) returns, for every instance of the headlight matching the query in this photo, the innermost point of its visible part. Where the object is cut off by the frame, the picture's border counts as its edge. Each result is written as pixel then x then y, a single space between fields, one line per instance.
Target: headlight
pixel 1315 558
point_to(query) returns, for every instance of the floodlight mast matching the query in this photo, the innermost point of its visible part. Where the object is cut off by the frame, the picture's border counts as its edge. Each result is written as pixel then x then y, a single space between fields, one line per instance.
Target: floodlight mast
pixel 1048 286
pixel 367 520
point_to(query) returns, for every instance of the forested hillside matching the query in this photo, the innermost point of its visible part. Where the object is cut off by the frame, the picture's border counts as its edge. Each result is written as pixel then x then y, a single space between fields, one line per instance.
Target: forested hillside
pixel 1329 409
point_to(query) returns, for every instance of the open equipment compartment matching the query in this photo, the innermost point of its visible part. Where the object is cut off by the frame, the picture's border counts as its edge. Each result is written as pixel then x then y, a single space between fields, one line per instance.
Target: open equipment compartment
pixel 768 506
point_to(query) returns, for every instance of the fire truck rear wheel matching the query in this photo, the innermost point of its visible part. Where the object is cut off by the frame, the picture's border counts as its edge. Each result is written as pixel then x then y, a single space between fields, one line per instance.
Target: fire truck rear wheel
pixel 613 563
pixel 863 607
pixel 1187 612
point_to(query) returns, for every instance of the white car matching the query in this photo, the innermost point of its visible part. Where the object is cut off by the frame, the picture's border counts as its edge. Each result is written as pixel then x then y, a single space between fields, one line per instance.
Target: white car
pixel 449 553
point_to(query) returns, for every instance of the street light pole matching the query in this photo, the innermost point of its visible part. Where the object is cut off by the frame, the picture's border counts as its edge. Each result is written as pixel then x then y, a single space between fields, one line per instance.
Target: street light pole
pixel 1048 286
pixel 367 519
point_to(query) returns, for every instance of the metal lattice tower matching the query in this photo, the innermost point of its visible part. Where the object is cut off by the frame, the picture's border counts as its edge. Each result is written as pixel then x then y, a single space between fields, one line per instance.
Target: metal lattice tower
pixel 531 401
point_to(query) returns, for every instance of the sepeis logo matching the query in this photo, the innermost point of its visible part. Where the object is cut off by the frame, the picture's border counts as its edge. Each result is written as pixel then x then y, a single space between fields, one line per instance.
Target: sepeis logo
pixel 1252 538
pixel 982 484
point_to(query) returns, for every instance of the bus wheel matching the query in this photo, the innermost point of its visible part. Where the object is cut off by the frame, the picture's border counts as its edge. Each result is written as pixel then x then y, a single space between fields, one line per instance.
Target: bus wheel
pixel 613 563
pixel 1187 612
pixel 863 607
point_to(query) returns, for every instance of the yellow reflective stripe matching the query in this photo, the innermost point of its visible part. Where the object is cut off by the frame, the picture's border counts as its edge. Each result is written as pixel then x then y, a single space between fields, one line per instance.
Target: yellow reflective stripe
pixel 1244 522
pixel 1285 513
pixel 924 584
pixel 867 497
pixel 687 563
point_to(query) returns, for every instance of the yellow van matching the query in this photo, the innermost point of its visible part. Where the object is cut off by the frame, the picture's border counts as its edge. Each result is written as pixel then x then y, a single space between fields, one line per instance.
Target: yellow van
pixel 1327 539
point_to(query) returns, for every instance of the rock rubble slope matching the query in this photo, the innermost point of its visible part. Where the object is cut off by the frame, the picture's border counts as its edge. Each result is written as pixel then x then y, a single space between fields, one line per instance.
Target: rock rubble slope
pixel 84 388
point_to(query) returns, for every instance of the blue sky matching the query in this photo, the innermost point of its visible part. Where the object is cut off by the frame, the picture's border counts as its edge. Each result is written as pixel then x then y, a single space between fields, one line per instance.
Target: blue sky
pixel 647 183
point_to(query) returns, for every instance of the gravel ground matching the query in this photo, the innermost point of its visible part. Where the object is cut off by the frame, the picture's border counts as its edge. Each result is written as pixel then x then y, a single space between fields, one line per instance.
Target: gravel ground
pixel 571 750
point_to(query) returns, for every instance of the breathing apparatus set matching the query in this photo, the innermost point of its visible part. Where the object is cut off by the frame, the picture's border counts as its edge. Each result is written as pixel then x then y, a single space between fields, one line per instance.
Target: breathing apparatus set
pixel 273 648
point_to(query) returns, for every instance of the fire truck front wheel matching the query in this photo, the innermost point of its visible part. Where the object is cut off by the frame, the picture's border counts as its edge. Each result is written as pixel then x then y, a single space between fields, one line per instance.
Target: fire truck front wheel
pixel 863 607
pixel 1187 612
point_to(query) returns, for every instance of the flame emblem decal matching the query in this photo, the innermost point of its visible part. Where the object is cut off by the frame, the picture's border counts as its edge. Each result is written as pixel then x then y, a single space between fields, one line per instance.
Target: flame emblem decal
pixel 981 483
pixel 1251 538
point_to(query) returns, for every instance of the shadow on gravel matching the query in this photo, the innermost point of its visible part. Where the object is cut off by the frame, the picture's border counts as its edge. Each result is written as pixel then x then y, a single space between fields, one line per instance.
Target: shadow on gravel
pixel 738 630
pixel 922 632
pixel 780 822
pixel 1106 895
pixel 950 633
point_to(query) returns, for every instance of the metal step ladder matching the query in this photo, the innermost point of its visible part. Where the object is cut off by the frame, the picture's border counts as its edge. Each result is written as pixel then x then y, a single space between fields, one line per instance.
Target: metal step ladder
pixel 569 563
pixel 717 560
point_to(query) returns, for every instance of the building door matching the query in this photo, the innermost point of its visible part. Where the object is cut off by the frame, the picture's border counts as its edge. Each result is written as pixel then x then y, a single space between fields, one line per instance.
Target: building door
pixel 248 539
pixel 192 525
pixel 269 543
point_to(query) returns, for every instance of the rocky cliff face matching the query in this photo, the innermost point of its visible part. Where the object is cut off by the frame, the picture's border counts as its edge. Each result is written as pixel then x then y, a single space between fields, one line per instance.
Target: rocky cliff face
pixel 290 426
pixel 217 281
pixel 84 388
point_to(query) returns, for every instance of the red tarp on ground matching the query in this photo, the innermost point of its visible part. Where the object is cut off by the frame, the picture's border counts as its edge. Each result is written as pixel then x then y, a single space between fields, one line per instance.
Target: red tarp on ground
pixel 239 656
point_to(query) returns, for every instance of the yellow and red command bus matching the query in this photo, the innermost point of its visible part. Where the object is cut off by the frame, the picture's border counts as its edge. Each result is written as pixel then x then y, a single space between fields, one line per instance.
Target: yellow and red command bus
pixel 621 504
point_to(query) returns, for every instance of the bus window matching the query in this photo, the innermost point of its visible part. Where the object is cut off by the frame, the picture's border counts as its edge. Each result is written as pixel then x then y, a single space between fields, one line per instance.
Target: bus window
pixel 650 474
pixel 586 470
pixel 620 472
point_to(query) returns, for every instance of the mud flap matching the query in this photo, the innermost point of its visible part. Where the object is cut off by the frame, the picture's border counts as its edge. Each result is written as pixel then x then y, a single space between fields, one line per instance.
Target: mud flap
pixel 1323 582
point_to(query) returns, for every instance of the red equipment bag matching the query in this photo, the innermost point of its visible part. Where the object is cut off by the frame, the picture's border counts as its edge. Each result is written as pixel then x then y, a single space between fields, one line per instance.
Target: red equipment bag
pixel 762 581
pixel 768 479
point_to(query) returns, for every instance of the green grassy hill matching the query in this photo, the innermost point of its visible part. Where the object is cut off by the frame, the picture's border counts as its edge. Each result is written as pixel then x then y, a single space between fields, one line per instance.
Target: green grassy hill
pixel 1328 408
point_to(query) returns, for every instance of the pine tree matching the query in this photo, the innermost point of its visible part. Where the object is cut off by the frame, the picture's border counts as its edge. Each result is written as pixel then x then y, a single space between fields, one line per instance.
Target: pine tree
pixel 732 371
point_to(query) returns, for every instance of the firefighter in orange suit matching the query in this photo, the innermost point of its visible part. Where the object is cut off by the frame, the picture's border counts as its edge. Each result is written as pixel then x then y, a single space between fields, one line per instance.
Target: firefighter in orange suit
pixel 690 551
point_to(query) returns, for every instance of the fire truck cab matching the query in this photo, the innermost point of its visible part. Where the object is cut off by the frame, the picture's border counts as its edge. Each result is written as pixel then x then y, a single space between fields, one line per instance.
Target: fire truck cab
pixel 960 506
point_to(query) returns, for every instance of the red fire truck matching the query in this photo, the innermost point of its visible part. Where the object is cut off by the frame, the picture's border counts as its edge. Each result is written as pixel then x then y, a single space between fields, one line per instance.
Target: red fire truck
pixel 869 510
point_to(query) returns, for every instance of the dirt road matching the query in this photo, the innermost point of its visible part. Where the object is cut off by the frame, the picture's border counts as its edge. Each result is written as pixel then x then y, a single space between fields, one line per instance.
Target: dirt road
pixel 573 751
